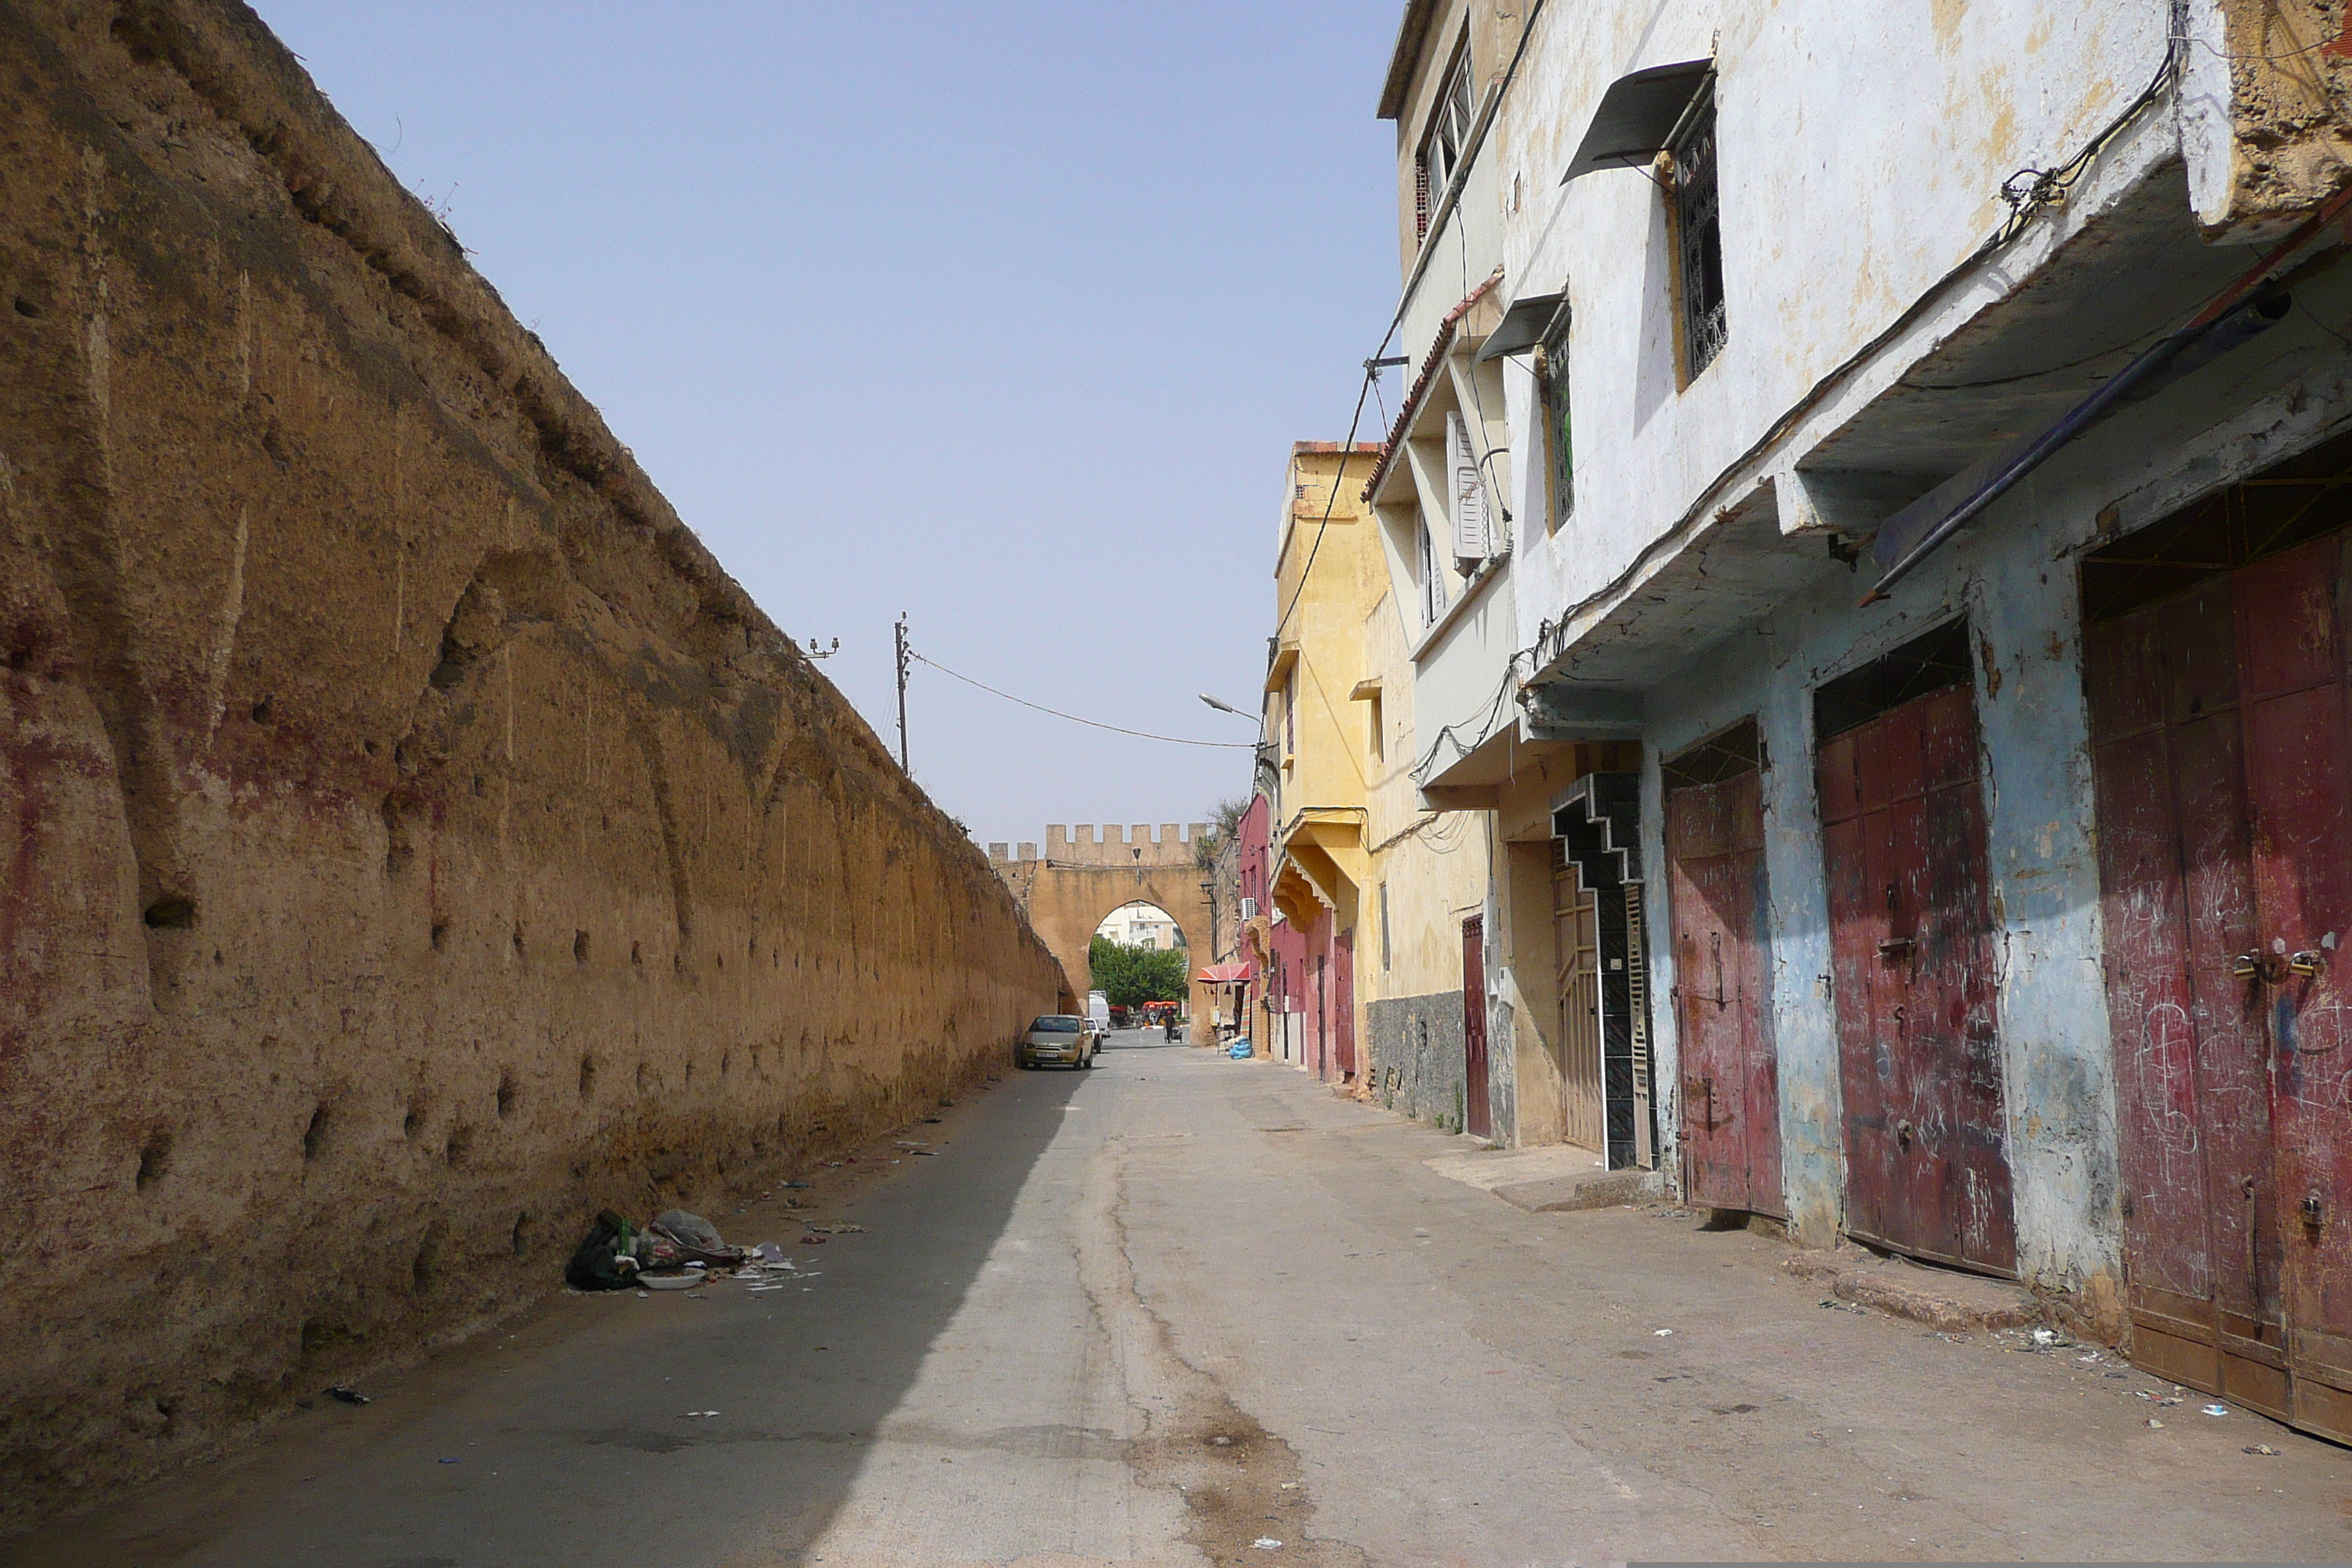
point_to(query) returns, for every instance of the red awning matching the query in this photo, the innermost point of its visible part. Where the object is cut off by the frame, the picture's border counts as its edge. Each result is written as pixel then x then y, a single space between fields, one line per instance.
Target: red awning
pixel 1224 973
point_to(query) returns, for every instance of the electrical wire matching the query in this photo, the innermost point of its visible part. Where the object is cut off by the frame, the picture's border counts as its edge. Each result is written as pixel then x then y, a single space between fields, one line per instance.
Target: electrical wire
pixel 1347 450
pixel 2313 319
pixel 2268 59
pixel 1446 204
pixel 2037 374
pixel 1091 723
pixel 1485 722
pixel 2047 187
pixel 1485 464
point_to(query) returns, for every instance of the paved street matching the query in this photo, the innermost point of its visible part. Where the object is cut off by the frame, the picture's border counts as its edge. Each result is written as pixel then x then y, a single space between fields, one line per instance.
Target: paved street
pixel 1177 1306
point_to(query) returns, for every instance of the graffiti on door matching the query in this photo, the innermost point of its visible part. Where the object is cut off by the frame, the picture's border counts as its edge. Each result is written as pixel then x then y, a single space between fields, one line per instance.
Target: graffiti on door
pixel 2221 757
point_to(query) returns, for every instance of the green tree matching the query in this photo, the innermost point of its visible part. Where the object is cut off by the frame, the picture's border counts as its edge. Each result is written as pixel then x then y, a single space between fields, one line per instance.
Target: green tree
pixel 1130 977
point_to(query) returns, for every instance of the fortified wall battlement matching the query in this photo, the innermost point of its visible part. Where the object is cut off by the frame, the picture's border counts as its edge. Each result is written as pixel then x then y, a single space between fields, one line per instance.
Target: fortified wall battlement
pixel 1066 892
pixel 1081 845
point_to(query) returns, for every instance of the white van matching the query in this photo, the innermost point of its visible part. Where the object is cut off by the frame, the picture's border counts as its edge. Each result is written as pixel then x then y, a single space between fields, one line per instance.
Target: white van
pixel 1098 1012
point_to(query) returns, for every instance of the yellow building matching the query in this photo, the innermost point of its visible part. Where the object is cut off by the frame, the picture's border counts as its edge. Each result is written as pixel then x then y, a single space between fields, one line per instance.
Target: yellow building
pixel 1364 956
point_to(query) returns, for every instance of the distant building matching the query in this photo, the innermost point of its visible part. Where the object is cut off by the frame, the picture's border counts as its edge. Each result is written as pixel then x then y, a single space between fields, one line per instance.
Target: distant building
pixel 1361 888
pixel 1141 925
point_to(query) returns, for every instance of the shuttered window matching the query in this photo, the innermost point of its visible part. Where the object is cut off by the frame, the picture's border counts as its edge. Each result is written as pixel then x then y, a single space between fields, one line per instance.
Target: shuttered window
pixel 1468 498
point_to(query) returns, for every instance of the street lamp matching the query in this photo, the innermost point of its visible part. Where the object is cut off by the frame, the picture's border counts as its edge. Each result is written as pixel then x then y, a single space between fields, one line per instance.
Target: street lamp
pixel 1227 708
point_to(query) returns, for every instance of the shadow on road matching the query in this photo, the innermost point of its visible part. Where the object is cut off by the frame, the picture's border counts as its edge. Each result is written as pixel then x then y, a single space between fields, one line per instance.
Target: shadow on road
pixel 575 1439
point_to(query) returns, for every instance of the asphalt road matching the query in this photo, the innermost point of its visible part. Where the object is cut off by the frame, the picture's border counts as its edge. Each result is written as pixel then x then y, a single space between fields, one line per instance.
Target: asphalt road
pixel 1175 1308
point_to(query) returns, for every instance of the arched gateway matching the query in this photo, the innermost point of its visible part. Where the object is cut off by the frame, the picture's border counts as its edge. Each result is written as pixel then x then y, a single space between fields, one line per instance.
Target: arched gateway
pixel 1083 877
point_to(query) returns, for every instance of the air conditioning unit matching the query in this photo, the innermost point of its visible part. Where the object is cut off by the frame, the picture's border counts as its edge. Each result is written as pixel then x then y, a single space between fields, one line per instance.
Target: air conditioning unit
pixel 1249 908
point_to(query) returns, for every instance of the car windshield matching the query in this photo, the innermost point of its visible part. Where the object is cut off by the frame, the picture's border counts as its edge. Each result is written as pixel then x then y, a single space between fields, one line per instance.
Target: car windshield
pixel 1057 1024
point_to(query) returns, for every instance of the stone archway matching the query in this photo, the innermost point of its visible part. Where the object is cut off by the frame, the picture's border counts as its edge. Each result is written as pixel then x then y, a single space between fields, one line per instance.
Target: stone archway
pixel 1082 877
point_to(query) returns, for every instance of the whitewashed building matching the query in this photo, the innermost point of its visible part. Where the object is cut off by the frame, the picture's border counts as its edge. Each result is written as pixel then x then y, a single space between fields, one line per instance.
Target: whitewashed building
pixel 1874 482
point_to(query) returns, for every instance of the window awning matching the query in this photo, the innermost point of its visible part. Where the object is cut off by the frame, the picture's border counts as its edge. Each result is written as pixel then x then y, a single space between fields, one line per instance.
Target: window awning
pixel 1525 325
pixel 1224 973
pixel 1637 117
pixel 1277 669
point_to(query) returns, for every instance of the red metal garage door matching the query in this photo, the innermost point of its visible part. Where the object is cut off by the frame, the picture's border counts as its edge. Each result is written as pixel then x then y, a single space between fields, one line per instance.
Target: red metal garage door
pixel 1731 1088
pixel 2222 757
pixel 1903 822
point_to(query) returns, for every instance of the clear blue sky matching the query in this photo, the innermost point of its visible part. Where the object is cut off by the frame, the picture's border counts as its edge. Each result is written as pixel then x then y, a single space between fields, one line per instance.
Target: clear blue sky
pixel 1001 315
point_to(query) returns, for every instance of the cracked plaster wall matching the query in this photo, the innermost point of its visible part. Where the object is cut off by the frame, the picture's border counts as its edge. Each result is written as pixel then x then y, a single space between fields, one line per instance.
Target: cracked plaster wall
pixel 2013 573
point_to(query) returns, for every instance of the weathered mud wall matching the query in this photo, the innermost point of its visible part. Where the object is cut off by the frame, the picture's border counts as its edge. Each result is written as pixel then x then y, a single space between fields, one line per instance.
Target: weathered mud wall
pixel 416 840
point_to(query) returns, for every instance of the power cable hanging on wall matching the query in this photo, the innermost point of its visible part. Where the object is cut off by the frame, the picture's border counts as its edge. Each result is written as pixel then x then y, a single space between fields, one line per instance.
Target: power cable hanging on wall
pixel 1445 205
pixel 1090 724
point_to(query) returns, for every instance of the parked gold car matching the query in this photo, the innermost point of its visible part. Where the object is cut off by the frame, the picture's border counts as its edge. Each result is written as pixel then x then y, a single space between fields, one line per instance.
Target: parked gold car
pixel 1063 1038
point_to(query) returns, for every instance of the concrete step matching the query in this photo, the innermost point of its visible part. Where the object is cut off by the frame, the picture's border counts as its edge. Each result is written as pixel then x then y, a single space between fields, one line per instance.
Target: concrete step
pixel 1550 1179
pixel 1599 1190
pixel 1940 1297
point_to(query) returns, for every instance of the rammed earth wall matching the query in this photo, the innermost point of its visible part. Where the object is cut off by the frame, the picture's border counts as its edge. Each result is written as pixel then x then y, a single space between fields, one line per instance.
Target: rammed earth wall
pixel 415 840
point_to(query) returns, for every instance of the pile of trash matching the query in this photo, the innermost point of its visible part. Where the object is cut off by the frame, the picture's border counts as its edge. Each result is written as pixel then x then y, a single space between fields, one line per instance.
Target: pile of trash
pixel 674 1251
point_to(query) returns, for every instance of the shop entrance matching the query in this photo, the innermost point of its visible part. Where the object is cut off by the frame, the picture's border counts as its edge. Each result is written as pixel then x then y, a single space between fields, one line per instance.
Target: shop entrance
pixel 1597 820
pixel 2215 667
pixel 1576 938
pixel 1715 881
pixel 1902 842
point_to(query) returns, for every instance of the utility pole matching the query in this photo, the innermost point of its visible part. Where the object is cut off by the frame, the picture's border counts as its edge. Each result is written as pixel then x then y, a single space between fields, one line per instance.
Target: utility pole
pixel 904 652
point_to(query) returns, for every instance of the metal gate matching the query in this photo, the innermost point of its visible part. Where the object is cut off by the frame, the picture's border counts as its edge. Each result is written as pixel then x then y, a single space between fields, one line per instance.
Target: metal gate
pixel 1475 1116
pixel 1715 888
pixel 1576 937
pixel 2222 757
pixel 1903 837
pixel 1598 821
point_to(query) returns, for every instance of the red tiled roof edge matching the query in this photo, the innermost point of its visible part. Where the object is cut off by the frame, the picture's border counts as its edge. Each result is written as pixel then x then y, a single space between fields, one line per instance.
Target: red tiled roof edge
pixel 1305 447
pixel 1412 399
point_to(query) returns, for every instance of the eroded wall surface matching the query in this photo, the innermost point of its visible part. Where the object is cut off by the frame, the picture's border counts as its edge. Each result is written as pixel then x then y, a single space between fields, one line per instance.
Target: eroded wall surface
pixel 2265 110
pixel 416 840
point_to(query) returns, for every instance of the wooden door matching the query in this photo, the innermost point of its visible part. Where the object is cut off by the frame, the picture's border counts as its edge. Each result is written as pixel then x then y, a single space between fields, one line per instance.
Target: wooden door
pixel 2292 693
pixel 2223 755
pixel 1731 1081
pixel 1475 1116
pixel 1903 824
pixel 1343 1001
pixel 2191 1047
pixel 1576 938
pixel 1319 1052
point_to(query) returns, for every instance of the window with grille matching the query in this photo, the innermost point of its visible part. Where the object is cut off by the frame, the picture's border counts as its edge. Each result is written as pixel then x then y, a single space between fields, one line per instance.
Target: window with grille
pixel 1445 139
pixel 1698 232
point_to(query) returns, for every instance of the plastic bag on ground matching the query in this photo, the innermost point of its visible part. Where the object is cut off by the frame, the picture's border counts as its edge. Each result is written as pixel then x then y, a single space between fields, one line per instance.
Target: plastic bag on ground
pixel 695 1239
